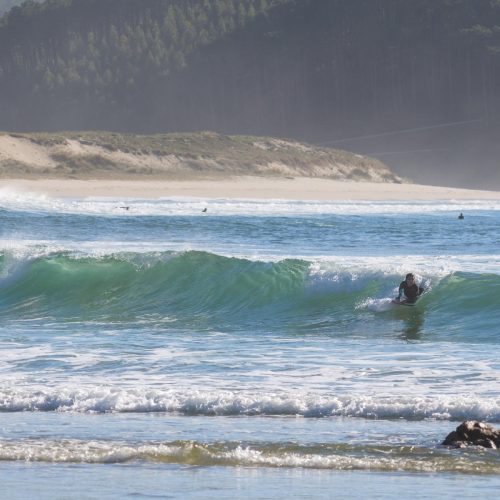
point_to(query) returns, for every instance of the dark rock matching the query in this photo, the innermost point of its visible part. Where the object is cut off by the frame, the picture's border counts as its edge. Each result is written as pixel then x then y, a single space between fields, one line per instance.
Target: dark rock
pixel 472 432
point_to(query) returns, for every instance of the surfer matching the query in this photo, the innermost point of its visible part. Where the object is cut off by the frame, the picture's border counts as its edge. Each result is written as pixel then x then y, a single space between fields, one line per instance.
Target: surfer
pixel 409 289
pixel 461 216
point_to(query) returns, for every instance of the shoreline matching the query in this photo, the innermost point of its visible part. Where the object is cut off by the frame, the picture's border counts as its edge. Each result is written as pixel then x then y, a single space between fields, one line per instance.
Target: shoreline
pixel 299 188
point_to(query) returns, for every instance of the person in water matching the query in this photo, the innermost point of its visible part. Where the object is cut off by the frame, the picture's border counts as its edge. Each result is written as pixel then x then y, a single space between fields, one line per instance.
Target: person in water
pixel 461 216
pixel 409 289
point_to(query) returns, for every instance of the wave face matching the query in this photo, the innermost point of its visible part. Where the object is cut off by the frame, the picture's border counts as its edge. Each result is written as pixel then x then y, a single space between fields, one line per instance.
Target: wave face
pixel 214 290
pixel 128 285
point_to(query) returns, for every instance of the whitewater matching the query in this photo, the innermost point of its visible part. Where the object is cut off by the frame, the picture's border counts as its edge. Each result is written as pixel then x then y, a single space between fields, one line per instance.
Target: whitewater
pixel 216 348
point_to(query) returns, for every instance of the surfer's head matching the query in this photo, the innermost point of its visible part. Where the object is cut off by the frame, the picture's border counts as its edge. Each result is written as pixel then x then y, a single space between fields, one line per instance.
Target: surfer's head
pixel 410 277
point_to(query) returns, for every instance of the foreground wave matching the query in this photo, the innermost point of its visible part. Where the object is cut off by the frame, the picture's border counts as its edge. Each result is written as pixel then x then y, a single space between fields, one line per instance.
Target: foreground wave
pixel 254 454
pixel 227 403
pixel 181 285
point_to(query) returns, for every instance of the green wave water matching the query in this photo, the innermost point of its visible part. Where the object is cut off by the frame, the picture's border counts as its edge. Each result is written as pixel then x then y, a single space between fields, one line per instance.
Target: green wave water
pixel 188 283
pixel 202 286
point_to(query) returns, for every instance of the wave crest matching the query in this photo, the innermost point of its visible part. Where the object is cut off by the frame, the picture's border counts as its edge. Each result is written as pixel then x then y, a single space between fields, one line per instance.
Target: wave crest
pixel 227 403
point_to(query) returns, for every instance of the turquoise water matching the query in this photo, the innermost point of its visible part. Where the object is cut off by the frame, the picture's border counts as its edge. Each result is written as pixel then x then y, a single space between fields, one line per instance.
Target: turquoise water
pixel 248 350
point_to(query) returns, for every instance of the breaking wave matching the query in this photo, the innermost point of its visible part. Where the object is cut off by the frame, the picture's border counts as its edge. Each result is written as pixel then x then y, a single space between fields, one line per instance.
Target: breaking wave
pixel 63 286
pixel 330 456
pixel 228 403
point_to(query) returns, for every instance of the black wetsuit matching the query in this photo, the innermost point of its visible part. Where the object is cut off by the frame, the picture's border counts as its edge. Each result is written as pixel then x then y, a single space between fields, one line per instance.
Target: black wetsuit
pixel 411 291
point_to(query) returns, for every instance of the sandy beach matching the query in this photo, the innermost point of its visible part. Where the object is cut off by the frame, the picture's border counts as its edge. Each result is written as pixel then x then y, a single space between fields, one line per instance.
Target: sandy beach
pixel 243 188
pixel 87 165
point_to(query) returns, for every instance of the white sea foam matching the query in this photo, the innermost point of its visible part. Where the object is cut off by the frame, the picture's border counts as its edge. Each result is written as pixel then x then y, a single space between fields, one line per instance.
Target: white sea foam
pixel 195 402
pixel 319 456
pixel 329 267
pixel 14 200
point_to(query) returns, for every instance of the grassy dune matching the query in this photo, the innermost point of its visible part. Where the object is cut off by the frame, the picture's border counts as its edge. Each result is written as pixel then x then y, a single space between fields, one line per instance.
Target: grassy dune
pixel 177 156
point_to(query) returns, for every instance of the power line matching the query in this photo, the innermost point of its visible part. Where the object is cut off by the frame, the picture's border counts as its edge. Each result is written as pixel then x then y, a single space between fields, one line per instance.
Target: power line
pixel 405 131
pixel 385 153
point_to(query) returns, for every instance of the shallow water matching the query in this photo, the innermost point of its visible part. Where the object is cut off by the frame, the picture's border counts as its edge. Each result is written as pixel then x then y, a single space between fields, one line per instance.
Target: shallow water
pixel 162 351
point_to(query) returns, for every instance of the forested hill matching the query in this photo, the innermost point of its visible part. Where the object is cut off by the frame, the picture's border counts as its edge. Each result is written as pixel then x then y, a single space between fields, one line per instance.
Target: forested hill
pixel 107 63
pixel 413 82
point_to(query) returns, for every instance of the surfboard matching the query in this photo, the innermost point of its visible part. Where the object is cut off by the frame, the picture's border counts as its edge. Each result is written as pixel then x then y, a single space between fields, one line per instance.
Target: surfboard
pixel 403 303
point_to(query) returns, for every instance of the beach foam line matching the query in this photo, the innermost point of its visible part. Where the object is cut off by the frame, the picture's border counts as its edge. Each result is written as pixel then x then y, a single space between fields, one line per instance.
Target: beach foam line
pixel 331 456
pixel 222 207
pixel 227 403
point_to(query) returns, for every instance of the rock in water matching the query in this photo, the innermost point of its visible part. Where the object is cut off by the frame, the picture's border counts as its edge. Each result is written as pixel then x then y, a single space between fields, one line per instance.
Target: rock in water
pixel 472 432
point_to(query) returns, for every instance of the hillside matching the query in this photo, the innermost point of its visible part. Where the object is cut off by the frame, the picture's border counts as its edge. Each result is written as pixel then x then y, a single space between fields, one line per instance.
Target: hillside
pixel 414 84
pixel 88 64
pixel 85 155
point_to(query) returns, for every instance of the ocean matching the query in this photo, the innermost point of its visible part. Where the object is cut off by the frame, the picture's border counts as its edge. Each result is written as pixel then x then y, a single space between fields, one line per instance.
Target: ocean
pixel 151 349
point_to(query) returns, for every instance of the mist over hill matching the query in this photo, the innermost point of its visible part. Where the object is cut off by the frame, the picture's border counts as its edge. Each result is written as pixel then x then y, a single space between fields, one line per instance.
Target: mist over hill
pixel 5 5
pixel 415 84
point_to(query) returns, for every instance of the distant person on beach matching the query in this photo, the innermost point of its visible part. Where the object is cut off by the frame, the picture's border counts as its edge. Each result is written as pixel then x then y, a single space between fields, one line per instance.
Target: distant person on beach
pixel 461 216
pixel 409 289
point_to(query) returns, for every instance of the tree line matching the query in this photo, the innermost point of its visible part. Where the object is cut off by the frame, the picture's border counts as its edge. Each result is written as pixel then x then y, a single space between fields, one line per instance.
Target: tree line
pixel 304 68
pixel 107 52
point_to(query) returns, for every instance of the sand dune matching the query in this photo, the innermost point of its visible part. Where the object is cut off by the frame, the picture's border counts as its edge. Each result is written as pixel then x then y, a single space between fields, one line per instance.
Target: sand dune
pixel 189 156
pixel 203 164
